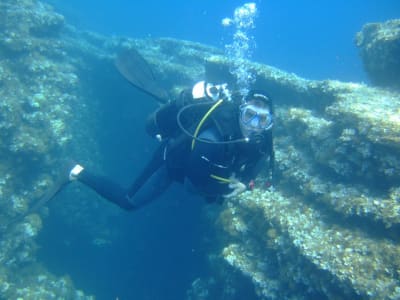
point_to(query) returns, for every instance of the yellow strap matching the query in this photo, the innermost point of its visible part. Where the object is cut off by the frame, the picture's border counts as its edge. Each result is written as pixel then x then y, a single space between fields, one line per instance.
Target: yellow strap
pixel 221 179
pixel 207 114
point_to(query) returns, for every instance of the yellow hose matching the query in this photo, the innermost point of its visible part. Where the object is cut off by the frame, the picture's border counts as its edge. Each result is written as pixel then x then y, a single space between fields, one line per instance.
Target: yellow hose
pixel 207 114
pixel 221 179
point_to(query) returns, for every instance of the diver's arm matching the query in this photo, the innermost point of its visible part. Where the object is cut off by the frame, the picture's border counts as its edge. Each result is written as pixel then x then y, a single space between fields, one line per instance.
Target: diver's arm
pixel 236 186
pixel 271 160
pixel 262 162
pixel 272 168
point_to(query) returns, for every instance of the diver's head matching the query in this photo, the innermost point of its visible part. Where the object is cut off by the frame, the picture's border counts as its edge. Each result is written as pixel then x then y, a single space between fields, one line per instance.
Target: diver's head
pixel 214 92
pixel 256 115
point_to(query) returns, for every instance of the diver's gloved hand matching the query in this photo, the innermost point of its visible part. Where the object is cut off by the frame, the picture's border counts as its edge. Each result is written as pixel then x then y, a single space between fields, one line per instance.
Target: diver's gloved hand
pixel 237 187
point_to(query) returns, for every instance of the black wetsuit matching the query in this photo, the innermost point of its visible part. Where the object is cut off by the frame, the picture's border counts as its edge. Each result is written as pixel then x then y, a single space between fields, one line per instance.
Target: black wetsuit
pixel 203 167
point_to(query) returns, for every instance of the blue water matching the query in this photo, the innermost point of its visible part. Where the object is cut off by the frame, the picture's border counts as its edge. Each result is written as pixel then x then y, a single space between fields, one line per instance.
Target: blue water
pixel 160 250
pixel 314 39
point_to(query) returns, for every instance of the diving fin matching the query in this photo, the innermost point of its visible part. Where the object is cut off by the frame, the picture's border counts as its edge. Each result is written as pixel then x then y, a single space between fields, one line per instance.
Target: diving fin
pixel 50 194
pixel 134 68
pixel 57 187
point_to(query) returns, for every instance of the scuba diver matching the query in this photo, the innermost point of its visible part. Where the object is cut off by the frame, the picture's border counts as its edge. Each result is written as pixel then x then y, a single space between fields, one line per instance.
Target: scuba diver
pixel 212 141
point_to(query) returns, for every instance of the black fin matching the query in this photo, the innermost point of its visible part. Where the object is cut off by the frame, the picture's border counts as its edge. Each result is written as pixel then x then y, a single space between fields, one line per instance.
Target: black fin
pixel 57 187
pixel 137 71
pixel 50 194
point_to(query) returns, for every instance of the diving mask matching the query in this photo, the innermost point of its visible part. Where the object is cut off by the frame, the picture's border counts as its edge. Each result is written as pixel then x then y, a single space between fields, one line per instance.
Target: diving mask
pixel 255 118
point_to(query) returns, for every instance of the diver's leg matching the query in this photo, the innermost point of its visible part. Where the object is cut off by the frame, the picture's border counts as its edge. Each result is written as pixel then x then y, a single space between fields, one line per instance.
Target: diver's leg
pixel 105 188
pixel 151 182
pixel 152 188
pixel 129 199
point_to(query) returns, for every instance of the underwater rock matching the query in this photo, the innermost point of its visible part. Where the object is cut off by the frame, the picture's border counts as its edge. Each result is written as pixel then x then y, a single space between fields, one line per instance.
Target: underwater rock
pixel 293 243
pixel 379 46
pixel 22 22
pixel 38 88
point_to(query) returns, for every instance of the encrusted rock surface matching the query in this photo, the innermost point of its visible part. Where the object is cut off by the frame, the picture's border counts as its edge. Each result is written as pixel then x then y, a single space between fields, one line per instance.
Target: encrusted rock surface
pixel 379 45
pixel 329 230
pixel 38 88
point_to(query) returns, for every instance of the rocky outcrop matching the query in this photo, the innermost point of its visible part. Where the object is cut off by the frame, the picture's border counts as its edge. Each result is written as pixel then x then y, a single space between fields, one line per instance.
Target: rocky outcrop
pixel 379 46
pixel 37 89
